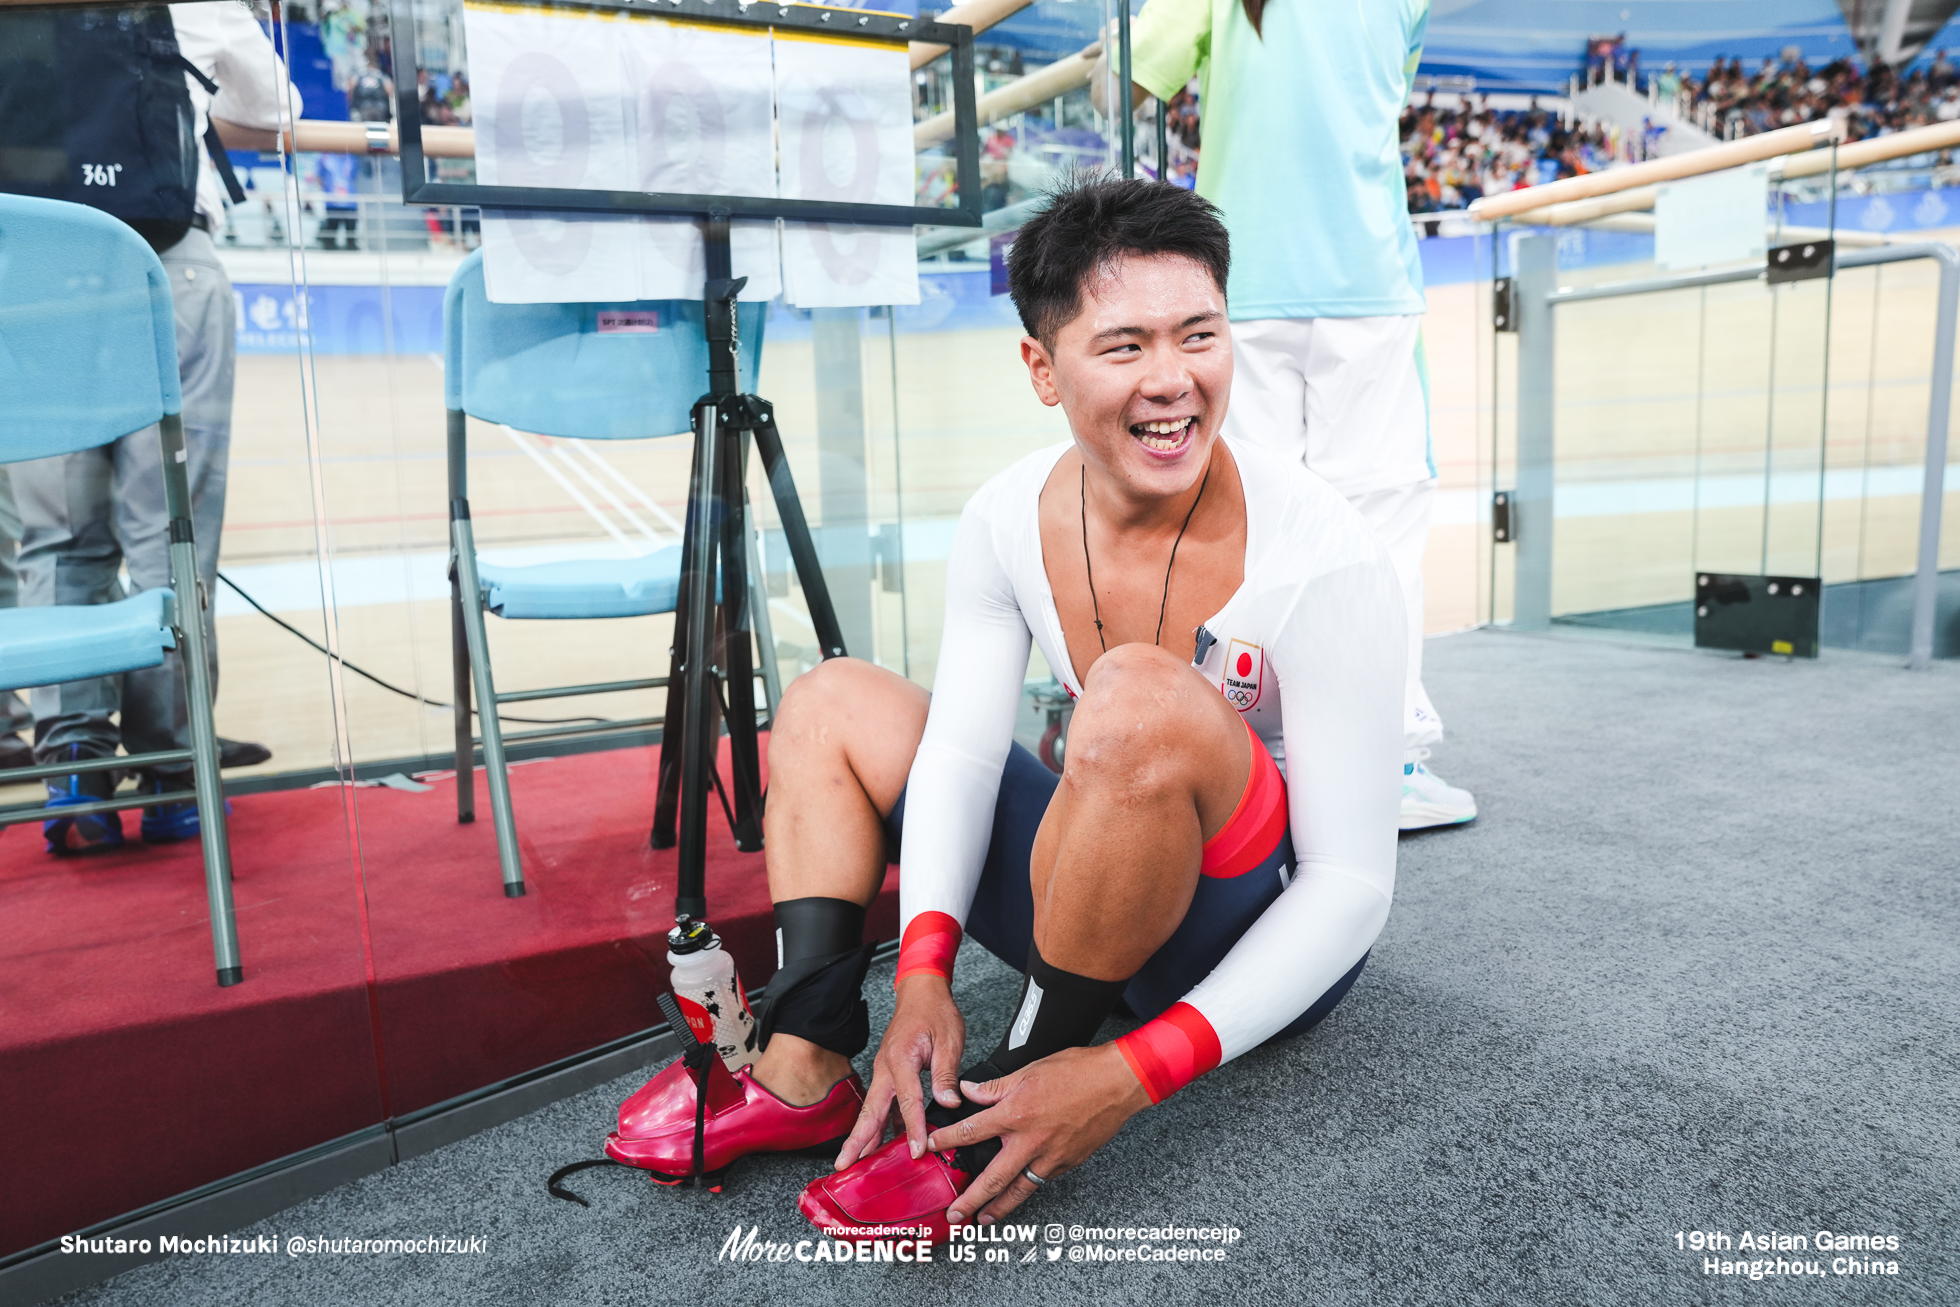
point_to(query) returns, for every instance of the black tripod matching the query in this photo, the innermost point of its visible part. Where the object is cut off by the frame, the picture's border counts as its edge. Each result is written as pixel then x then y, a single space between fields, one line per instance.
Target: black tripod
pixel 712 680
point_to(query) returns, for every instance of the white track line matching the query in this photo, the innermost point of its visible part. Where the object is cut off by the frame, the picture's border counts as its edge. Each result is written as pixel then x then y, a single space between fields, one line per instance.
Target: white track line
pixel 577 495
pixel 564 455
pixel 585 447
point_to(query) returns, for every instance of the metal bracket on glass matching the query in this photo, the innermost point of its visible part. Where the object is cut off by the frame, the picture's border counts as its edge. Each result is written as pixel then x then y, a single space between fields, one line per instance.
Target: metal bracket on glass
pixel 1501 316
pixel 417 188
pixel 1503 528
pixel 1800 262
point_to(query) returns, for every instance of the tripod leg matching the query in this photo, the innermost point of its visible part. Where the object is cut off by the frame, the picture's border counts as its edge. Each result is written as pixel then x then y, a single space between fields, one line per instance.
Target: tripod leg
pixel 736 666
pixel 796 527
pixel 698 734
pixel 667 794
pixel 666 803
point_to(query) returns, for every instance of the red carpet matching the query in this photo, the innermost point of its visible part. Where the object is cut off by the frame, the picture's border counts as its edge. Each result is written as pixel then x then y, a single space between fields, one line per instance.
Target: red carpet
pixel 129 1076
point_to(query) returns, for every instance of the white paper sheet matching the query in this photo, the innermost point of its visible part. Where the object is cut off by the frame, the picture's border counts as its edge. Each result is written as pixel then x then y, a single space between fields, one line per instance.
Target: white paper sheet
pixel 845 115
pixel 703 118
pixel 1721 217
pixel 638 114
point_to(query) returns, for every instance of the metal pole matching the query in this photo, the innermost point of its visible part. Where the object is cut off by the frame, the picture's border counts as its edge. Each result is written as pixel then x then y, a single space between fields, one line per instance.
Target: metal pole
pixel 1163 141
pixel 1534 276
pixel 459 634
pixel 1932 496
pixel 462 539
pixel 698 686
pixel 214 836
pixel 1120 104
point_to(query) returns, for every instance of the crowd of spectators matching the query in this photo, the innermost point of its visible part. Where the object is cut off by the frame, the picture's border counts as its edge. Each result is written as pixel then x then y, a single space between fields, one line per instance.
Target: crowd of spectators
pixel 1453 155
pixel 1875 99
pixel 444 97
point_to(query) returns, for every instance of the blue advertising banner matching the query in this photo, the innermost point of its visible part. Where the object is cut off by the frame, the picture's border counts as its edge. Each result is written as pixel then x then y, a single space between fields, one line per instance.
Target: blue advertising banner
pixel 342 319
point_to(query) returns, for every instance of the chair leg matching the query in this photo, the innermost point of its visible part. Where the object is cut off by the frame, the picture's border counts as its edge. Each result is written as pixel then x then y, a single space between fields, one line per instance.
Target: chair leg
pixel 495 773
pixel 213 834
pixel 459 648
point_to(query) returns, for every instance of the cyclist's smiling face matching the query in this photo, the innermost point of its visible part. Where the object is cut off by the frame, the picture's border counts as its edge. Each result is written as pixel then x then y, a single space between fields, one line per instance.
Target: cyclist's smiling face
pixel 1143 372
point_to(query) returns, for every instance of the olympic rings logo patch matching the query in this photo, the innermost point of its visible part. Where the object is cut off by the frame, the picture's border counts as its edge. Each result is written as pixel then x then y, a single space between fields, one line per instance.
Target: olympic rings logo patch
pixel 1245 673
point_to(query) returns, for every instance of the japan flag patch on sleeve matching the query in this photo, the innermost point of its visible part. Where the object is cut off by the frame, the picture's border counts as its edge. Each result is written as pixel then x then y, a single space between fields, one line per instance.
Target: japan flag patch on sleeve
pixel 1245 670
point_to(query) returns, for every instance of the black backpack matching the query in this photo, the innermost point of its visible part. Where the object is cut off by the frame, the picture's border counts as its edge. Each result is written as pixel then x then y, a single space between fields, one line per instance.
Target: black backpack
pixel 94 110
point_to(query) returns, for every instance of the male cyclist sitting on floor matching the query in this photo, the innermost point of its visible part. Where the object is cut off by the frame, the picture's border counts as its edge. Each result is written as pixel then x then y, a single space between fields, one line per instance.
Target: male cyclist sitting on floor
pixel 1220 614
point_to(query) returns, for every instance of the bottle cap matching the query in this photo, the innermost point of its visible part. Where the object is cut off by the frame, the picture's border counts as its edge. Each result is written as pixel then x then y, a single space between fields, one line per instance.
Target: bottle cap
pixel 690 936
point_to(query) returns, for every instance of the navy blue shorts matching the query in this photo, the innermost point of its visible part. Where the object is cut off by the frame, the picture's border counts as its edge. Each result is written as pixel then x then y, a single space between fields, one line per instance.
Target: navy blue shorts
pixel 1246 866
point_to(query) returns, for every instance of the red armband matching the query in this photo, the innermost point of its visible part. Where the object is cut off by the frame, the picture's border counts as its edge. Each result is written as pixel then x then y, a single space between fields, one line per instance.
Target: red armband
pixel 929 945
pixel 1172 1051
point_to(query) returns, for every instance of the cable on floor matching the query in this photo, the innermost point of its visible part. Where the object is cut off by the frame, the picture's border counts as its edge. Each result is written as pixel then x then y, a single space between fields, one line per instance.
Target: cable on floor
pixel 396 689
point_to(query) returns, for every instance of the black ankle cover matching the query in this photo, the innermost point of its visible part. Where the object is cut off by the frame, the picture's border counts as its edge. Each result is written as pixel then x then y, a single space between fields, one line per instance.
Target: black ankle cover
pixel 1058 1010
pixel 973 1158
pixel 817 992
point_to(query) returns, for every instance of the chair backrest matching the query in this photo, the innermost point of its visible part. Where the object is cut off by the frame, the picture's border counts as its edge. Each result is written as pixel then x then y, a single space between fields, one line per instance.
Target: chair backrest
pixel 591 371
pixel 88 343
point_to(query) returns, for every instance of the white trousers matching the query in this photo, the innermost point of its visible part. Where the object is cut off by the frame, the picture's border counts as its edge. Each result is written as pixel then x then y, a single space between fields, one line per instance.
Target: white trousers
pixel 1348 398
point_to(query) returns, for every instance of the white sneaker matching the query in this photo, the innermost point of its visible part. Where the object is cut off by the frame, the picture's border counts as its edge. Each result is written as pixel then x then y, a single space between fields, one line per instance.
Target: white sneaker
pixel 1429 800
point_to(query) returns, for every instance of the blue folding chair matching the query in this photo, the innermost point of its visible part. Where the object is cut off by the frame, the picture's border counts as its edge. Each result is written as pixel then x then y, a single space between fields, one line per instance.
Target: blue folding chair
pixel 88 354
pixel 552 370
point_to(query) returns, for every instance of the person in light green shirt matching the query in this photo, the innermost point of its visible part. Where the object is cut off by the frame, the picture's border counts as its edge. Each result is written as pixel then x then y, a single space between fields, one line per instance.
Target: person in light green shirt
pixel 1301 103
pixel 1302 146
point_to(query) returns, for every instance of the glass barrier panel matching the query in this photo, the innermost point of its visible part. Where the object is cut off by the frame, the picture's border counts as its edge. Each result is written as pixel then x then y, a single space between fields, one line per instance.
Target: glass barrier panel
pixel 115 1013
pixel 1457 344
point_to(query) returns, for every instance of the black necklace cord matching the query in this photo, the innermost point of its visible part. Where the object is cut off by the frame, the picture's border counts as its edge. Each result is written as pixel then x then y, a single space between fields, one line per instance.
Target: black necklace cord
pixel 1089 566
pixel 1163 605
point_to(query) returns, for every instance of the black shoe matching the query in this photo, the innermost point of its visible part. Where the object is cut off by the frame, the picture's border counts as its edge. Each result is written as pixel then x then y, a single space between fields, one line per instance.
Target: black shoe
pixel 241 753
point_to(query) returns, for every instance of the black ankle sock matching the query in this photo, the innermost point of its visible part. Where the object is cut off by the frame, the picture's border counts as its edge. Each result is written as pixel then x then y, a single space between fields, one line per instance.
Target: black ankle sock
pixel 817 992
pixel 1058 1010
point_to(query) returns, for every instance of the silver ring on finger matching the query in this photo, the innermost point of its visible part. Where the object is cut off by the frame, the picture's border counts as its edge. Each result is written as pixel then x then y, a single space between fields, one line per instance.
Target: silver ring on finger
pixel 1027 1173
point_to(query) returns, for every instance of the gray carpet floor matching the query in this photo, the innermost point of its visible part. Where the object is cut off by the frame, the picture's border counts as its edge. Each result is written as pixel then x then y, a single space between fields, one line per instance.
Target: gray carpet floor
pixel 1693 969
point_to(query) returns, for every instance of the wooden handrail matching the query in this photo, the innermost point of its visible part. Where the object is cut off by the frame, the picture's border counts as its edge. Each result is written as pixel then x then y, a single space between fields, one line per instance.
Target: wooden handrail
pixel 318 136
pixel 1692 163
pixel 977 14
pixel 1057 79
pixel 1859 154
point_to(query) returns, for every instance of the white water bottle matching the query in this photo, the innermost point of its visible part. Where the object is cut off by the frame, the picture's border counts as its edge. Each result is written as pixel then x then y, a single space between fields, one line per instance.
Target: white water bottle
pixel 710 993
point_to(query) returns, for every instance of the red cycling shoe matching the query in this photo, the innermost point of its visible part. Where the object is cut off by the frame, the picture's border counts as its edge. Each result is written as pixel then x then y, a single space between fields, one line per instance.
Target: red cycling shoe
pixel 656 1125
pixel 888 1187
